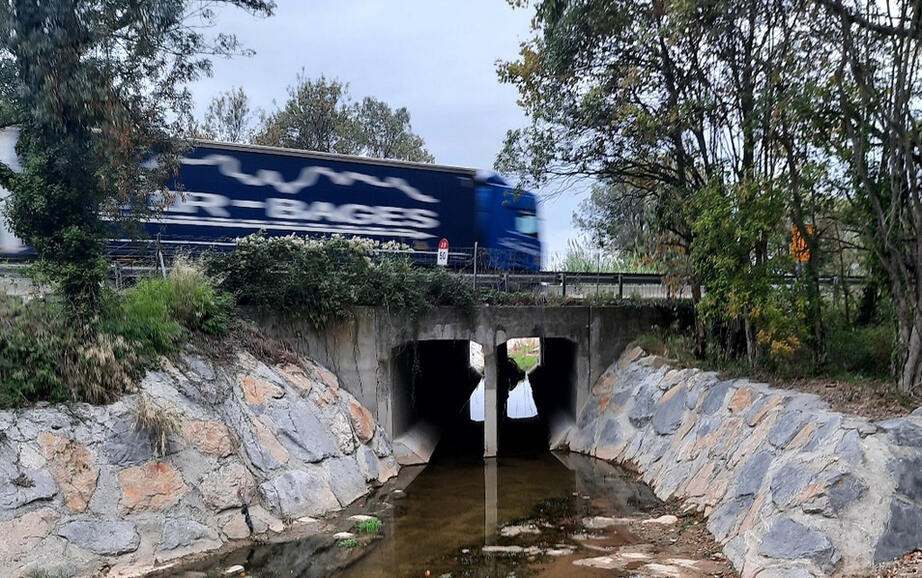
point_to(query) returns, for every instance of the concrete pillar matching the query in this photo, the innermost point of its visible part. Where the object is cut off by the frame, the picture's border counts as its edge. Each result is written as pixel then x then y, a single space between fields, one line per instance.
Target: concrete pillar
pixel 490 418
pixel 490 501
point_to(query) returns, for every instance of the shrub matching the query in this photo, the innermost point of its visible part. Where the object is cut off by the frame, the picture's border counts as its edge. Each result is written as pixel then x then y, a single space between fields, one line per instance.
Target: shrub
pixel 319 279
pixel 45 356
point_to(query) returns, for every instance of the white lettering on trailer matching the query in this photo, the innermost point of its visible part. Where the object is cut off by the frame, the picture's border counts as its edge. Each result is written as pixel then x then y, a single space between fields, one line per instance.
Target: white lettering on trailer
pixel 191 203
pixel 230 167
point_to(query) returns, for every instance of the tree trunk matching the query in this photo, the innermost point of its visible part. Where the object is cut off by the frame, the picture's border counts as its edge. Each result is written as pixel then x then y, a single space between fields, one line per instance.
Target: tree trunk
pixel 752 347
pixel 701 334
pixel 910 379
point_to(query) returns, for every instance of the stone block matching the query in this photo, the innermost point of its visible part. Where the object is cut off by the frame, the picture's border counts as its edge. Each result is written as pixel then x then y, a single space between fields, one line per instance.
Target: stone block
pixel 902 533
pixel 228 487
pixel 73 467
pixel 182 533
pixel 299 493
pixel 790 540
pixel 110 538
pixel 152 486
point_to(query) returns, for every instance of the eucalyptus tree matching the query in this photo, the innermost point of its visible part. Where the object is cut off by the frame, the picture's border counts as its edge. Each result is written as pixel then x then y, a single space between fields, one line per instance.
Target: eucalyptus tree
pixel 100 86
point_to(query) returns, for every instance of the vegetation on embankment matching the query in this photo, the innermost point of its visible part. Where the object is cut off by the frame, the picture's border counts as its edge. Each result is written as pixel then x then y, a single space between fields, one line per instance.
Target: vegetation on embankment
pixel 48 357
pixel 855 375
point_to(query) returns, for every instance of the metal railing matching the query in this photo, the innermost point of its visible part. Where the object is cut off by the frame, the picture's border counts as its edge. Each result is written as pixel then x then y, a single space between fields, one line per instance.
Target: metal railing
pixel 135 260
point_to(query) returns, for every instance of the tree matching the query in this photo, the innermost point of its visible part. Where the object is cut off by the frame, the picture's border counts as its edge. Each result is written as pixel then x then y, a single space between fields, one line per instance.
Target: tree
pixel 315 117
pixel 229 118
pixel 876 87
pixel 99 88
pixel 381 132
pixel 665 103
pixel 320 116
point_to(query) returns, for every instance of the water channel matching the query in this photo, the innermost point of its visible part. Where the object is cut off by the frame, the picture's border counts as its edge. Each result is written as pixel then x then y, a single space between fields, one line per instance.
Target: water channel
pixel 546 514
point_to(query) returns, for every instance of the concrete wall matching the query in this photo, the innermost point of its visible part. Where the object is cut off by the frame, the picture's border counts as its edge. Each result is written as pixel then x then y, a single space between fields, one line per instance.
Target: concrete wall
pixel 361 349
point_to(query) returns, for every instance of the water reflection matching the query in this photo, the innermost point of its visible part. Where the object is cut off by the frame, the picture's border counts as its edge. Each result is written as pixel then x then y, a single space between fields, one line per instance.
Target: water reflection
pixel 448 511
pixel 520 405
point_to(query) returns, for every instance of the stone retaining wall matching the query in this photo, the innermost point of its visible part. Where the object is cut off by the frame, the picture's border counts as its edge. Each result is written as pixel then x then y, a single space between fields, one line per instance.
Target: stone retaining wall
pixel 83 489
pixel 789 487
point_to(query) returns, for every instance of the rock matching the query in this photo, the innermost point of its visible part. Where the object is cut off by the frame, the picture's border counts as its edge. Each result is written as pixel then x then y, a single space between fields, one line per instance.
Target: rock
pixel 666 520
pixel 179 533
pixel 234 526
pixel 902 432
pixel 724 519
pixel 233 570
pixel 849 448
pixel 343 535
pixel 831 425
pixel 264 449
pixel 302 434
pixel 26 487
pixel 790 540
pixel 300 493
pixel 22 534
pixel 152 486
pixel 368 463
pixel 715 399
pixel 644 407
pixel 363 422
pixel 908 473
pixel 789 481
pixel 740 400
pixel 228 487
pixel 902 532
pixel 346 479
pixel 750 478
pixel 73 469
pixel 843 491
pixel 297 377
pixel 106 538
pixel 787 426
pixel 761 408
pixel 209 437
pixel 126 446
pixel 668 416
pixel 258 391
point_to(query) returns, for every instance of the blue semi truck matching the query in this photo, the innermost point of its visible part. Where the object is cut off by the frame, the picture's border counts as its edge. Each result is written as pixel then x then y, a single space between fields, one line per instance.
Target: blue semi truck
pixel 224 191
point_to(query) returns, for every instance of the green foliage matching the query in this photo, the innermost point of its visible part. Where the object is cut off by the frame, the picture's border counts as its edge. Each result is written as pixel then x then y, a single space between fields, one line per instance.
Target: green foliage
pixel 320 279
pixel 320 116
pixel 369 526
pixel 96 86
pixel 348 543
pixel 525 361
pixel 46 358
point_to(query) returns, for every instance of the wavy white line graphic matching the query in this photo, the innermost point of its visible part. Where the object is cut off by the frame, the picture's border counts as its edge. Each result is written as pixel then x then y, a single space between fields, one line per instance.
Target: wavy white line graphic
pixel 230 167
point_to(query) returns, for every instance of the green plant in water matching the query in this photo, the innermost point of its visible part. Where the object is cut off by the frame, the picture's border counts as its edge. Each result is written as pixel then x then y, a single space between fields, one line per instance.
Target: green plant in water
pixel 370 526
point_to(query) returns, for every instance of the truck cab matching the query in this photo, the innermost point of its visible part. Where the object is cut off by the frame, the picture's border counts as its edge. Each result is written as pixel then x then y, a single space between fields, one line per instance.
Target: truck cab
pixel 507 223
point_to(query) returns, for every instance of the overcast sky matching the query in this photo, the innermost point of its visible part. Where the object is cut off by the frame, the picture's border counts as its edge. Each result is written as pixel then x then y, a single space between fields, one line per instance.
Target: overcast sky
pixel 437 58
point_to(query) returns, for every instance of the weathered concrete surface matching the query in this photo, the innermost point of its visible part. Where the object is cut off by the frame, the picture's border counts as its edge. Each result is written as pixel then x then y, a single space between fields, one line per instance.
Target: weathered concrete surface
pixel 82 491
pixel 361 349
pixel 789 487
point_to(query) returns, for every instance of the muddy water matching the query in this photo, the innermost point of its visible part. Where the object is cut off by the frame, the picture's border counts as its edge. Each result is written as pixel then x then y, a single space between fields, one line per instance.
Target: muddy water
pixel 549 515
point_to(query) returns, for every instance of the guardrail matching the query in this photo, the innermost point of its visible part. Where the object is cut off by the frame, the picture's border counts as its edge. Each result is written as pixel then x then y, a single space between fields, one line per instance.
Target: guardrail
pixel 132 260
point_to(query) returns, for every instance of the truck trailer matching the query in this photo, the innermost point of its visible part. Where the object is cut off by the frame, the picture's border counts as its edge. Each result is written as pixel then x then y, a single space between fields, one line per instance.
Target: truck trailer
pixel 225 191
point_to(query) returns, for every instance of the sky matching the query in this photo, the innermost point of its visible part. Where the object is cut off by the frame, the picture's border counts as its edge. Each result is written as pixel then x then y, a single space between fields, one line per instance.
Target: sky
pixel 437 58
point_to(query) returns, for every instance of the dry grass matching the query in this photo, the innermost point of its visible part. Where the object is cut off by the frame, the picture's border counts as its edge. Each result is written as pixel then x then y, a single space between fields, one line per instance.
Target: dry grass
pixel 158 422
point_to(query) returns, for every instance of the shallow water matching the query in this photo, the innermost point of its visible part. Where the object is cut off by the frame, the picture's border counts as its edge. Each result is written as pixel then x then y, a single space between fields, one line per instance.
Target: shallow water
pixel 521 516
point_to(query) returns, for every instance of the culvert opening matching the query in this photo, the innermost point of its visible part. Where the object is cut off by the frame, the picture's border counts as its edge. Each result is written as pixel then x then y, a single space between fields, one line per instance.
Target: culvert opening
pixel 440 407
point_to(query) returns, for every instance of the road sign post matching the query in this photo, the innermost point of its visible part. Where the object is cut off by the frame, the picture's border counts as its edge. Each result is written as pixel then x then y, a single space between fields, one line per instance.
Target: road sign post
pixel 442 255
